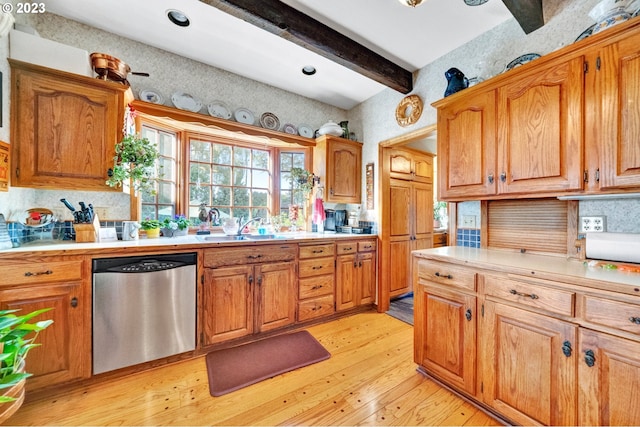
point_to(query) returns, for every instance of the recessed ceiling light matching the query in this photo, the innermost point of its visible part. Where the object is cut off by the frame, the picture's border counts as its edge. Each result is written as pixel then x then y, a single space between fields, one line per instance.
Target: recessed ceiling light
pixel 178 18
pixel 308 70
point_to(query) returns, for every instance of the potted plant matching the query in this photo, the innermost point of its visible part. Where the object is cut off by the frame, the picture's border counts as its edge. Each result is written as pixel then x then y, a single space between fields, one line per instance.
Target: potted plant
pixel 151 227
pixel 135 160
pixel 302 179
pixel 17 337
pixel 439 212
pixel 176 226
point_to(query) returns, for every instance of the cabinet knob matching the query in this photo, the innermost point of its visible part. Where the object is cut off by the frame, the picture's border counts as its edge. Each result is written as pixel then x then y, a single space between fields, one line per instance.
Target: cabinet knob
pixel 331 191
pixel 635 320
pixel 566 348
pixel 74 302
pixel 109 172
pixel 589 358
pixel 503 177
pixel 467 314
pixel 490 178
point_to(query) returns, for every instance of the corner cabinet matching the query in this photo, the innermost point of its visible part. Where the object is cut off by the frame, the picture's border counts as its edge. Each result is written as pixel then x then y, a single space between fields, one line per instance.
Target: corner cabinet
pixel 338 163
pixel 64 128
pixel 563 124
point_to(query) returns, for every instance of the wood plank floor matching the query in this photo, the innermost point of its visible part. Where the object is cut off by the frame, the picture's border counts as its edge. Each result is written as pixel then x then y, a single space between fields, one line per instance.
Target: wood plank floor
pixel 370 379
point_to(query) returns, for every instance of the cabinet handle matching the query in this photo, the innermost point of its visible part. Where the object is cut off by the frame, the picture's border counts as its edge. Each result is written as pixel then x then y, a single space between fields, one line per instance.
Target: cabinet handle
pixel 316 267
pixel 316 287
pixel 355 264
pixel 445 276
pixel 259 280
pixel 109 172
pixel 254 256
pixel 467 314
pixel 566 348
pixel 319 251
pixel 597 175
pixel 503 177
pixel 74 302
pixel 250 279
pixel 589 358
pixel 490 178
pixel 359 263
pixel 347 249
pixel 331 191
pixel 38 273
pixel 635 320
pixel 367 247
pixel 520 294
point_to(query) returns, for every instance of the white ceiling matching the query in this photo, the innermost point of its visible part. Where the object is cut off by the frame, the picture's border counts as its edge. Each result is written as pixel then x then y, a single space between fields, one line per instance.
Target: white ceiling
pixel 412 38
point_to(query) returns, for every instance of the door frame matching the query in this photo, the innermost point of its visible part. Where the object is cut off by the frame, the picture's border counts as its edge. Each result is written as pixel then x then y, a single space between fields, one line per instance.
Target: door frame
pixel 383 213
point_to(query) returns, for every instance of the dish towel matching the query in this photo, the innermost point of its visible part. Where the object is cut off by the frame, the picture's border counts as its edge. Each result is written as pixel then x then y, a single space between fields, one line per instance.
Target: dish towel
pixel 318 212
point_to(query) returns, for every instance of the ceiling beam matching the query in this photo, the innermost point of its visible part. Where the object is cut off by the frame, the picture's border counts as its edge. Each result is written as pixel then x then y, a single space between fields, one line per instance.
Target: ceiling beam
pixel 284 21
pixel 528 13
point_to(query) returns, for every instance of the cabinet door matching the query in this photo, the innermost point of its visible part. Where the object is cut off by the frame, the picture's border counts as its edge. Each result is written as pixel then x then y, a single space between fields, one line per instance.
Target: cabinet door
pixel 526 375
pixel 422 211
pixel 619 81
pixel 64 132
pixel 446 335
pixel 227 303
pixel 64 353
pixel 346 282
pixel 409 165
pixel 609 380
pixel 344 171
pixel 467 147
pixel 367 287
pixel 540 130
pixel 276 293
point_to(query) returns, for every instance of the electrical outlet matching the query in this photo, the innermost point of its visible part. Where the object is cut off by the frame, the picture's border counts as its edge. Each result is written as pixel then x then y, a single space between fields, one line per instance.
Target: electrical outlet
pixel 591 224
pixel 102 212
pixel 468 221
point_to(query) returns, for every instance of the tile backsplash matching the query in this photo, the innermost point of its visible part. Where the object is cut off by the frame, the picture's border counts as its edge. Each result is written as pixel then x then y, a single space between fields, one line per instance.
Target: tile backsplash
pixel 469 237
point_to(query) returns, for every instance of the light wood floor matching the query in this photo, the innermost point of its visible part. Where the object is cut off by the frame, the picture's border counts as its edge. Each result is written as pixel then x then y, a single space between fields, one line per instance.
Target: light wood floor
pixel 370 379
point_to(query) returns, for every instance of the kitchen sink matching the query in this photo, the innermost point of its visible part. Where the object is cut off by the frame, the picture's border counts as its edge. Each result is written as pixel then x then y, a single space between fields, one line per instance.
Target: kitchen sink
pixel 234 238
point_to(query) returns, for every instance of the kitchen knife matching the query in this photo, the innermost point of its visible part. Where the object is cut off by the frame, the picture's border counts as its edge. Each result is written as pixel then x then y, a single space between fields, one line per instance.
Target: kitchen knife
pixel 68 205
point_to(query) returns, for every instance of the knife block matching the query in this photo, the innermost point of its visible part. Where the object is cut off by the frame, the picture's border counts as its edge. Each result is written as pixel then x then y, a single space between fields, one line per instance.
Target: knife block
pixel 87 232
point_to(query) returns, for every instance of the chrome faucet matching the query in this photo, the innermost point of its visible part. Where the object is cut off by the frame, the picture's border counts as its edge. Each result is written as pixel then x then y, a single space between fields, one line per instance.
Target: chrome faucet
pixel 242 226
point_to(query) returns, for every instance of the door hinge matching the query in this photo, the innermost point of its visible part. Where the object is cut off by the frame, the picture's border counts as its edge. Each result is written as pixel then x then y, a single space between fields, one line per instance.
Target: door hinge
pixel 598 63
pixel 18 172
pixel 202 279
pixel 585 176
pixel 482 310
pixel 481 387
pixel 585 67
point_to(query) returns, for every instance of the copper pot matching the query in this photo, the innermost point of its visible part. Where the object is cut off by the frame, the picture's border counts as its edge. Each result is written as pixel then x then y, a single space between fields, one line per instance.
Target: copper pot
pixel 111 68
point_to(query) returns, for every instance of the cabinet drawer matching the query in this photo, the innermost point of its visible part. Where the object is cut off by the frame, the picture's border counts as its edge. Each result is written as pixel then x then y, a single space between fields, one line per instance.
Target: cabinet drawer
pixel 439 239
pixel 367 246
pixel 317 251
pixel 530 295
pixel 248 255
pixel 447 274
pixel 613 314
pixel 316 286
pixel 314 308
pixel 346 248
pixel 316 267
pixel 42 272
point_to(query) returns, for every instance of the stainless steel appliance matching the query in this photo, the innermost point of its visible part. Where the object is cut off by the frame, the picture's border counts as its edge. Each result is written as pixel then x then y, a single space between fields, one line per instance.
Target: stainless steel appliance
pixel 329 220
pixel 144 308
pixel 341 218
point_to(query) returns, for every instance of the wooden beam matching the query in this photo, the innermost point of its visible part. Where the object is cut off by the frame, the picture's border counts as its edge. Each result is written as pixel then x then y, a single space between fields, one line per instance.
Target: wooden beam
pixel 296 27
pixel 528 13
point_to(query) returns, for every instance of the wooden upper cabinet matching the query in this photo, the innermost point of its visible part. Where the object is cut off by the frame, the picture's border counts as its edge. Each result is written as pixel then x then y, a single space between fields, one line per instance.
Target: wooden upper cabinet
pixel 338 162
pixel 467 147
pixel 409 164
pixel 64 128
pixel 540 130
pixel 617 90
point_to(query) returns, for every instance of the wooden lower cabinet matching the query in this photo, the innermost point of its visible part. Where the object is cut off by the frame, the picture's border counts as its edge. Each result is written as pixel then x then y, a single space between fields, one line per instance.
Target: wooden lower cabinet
pixel 355 274
pixel 242 300
pixel 527 377
pixel 609 372
pixel 65 353
pixel 445 334
pixel 316 281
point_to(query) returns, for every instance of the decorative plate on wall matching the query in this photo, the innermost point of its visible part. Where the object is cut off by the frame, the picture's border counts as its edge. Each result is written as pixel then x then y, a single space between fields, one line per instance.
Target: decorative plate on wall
pixel 521 60
pixel 409 110
pixel 184 101
pixel 290 129
pixel 305 130
pixel 219 109
pixel 269 121
pixel 152 96
pixel 243 115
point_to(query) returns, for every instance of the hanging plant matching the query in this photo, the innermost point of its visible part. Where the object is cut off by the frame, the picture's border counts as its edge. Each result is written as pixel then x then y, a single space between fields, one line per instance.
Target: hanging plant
pixel 302 179
pixel 135 160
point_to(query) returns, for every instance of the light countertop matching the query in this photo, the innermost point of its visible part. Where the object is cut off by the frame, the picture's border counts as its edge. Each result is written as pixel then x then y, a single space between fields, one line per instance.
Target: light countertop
pixel 540 266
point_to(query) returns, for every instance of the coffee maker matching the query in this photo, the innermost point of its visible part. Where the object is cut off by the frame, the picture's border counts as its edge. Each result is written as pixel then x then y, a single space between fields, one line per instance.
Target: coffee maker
pixel 329 220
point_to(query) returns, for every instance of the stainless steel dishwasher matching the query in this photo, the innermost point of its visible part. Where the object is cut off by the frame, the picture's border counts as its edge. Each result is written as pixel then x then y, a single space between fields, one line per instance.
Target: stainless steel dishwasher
pixel 144 308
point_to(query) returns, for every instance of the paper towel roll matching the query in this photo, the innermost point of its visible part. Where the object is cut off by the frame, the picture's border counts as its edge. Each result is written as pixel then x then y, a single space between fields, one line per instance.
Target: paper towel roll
pixel 614 246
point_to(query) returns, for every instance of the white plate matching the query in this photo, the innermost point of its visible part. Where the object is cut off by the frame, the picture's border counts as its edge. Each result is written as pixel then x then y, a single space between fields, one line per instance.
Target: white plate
pixel 243 115
pixel 152 96
pixel 219 109
pixel 269 121
pixel 306 131
pixel 521 60
pixel 290 129
pixel 184 101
